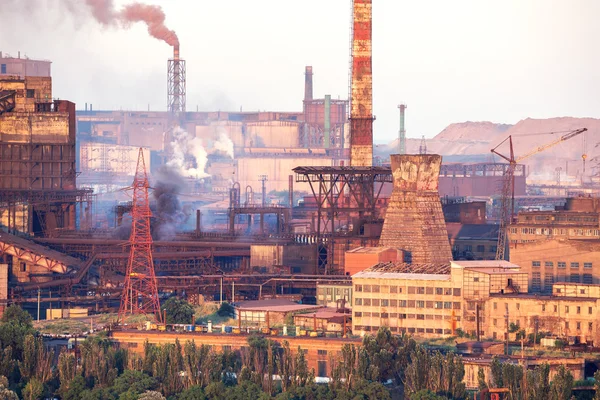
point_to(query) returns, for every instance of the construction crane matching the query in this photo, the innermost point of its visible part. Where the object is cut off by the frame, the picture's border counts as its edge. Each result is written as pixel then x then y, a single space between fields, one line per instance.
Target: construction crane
pixel 507 202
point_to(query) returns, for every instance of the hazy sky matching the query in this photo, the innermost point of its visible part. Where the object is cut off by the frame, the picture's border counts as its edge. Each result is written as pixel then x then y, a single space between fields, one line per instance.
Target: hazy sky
pixel 450 61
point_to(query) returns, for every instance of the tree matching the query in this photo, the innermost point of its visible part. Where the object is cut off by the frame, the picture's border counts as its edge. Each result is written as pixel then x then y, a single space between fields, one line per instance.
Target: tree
pixel 226 310
pixel 16 324
pixel 597 385
pixel 562 384
pixel 134 381
pixel 178 311
pixel 152 395
pixel 37 362
pixel 538 385
pixel 192 393
pixel 33 390
pixel 426 394
pixel 5 393
pixel 75 389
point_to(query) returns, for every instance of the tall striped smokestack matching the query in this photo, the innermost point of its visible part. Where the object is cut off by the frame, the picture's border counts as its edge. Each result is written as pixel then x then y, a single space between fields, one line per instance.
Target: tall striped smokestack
pixel 308 83
pixel 361 112
pixel 176 52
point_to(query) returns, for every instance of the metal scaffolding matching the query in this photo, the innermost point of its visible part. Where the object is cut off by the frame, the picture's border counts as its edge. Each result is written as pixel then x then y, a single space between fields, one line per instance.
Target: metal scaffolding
pixel 352 192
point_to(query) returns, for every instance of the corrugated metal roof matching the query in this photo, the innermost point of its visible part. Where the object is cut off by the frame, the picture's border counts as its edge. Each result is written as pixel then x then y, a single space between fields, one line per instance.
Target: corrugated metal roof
pixel 399 275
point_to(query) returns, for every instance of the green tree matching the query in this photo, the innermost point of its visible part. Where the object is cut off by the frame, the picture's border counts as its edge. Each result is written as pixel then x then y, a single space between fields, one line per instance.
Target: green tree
pixel 75 388
pixel 67 368
pixel 33 390
pixel 178 311
pixel 538 384
pixel 15 325
pixel 151 395
pixel 5 393
pixel 133 381
pixel 37 361
pixel 597 385
pixel 226 310
pixel 562 384
pixel 426 394
pixel 192 393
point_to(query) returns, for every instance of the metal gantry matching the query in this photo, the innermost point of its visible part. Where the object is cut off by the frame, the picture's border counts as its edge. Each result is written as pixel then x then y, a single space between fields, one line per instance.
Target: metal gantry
pixel 350 192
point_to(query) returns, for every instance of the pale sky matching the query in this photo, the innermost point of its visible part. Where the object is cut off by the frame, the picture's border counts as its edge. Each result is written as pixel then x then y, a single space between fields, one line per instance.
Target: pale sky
pixel 450 61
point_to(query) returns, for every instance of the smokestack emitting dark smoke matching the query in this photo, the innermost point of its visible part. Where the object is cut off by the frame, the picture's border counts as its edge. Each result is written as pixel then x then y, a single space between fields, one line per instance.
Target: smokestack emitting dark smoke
pixel 153 16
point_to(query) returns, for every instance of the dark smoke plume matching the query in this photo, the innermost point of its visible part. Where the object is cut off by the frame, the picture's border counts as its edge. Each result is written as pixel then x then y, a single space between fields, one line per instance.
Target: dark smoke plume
pixel 169 213
pixel 153 16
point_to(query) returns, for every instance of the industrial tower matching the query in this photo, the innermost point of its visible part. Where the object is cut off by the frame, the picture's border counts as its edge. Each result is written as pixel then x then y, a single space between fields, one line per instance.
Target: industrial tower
pixel 402 132
pixel 140 293
pixel 176 91
pixel 361 107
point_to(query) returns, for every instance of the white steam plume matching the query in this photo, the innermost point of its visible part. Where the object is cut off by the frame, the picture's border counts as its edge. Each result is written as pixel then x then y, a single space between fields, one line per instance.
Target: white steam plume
pixel 224 144
pixel 184 144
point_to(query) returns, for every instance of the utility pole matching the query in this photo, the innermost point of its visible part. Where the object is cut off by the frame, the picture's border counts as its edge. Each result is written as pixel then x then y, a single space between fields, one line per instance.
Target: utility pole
pixel 263 179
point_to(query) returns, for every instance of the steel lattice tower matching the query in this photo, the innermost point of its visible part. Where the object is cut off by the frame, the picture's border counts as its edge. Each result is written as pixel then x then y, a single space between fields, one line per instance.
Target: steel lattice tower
pixel 140 293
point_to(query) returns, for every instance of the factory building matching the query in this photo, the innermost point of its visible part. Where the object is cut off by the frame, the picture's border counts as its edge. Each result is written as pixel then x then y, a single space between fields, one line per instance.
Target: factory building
pixel 37 155
pixel 22 67
pixel 491 294
pixel 559 245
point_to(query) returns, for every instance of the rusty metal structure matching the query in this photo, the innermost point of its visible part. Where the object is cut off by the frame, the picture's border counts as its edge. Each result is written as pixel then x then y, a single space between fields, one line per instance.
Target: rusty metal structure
pixel 176 83
pixel 361 112
pixel 345 196
pixel 140 292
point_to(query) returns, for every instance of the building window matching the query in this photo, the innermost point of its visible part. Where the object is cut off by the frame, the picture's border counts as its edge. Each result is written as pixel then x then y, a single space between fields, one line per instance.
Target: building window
pixel 548 282
pixel 420 290
pixel 375 288
pixel 495 322
pixel 411 303
pixel 30 93
pixel 566 309
pixel 578 326
pixel 2 68
pixel 587 278
pixel 439 305
pixel 469 248
pixel 495 306
pixel 536 282
pixel 574 278
pixel 578 310
pixel 375 302
pixel 394 303
pixel 447 305
pixel 23 267
pixel 429 290
pixel 358 301
pixel 322 352
pixel 587 265
pixel 575 265
pixel 581 291
pixel 411 290
pixel 476 279
pixel 518 306
pixel 549 264
pixel 402 303
pixel 322 368
pixel 543 308
pixel 590 326
pixel 480 248
pixel 358 288
pixel 536 263
pixel 567 325
pixel 562 264
pixel 385 302
pixel 357 314
pixel 589 310
pixel 456 292
pixel 393 289
pixel 555 308
pixel 456 305
pixel 493 249
pixel 439 291
pixel 420 304
pixel 367 288
pixel 367 302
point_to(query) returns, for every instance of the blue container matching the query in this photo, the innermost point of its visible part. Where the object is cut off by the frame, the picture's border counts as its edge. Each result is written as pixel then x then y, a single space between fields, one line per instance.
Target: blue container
pixel 228 329
pixel 189 328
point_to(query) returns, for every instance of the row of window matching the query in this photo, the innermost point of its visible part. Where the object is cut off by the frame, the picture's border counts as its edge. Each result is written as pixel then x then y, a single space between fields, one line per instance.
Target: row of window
pixel 410 290
pixel 549 280
pixel 561 264
pixel 407 303
pixel 479 248
pixel 393 329
pixel 385 315
pixel 561 218
pixel 577 309
pixel 558 231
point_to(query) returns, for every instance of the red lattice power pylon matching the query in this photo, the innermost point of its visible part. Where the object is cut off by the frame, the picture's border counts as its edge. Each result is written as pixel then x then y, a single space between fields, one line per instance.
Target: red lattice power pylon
pixel 140 293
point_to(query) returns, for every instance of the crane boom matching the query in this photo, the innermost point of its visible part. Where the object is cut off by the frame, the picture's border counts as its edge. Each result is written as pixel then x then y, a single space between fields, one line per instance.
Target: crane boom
pixel 507 209
pixel 548 145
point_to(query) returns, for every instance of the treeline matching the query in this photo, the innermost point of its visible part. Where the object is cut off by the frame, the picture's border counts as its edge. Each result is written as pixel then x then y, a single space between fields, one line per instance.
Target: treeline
pixel 384 366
